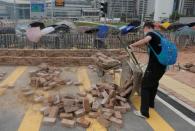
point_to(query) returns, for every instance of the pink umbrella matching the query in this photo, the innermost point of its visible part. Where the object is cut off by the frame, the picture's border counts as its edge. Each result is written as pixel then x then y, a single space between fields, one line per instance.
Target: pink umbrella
pixel 34 34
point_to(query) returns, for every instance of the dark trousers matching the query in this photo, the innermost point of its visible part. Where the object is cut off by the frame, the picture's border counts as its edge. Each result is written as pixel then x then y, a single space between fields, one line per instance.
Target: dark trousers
pixel 150 84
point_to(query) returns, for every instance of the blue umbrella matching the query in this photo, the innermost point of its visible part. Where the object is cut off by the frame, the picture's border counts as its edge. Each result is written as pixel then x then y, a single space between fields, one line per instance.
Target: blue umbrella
pixel 126 29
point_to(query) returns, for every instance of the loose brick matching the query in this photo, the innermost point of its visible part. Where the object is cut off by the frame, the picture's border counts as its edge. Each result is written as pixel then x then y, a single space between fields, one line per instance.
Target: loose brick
pixel 66 116
pixel 118 115
pixel 68 123
pixel 104 94
pixel 69 109
pixel 79 113
pixel 126 92
pixel 103 122
pixel 86 105
pixel 82 94
pixel 49 121
pixel 107 110
pixel 117 122
pixel 28 93
pixel 105 100
pixel 107 115
pixel 96 105
pixel 121 98
pixel 93 114
pixel 53 112
pixel 128 107
pixel 94 93
pixel 83 122
pixel 78 83
pixel 122 109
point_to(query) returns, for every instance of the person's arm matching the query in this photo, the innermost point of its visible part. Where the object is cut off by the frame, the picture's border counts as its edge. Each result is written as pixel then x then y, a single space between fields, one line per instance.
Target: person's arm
pixel 141 42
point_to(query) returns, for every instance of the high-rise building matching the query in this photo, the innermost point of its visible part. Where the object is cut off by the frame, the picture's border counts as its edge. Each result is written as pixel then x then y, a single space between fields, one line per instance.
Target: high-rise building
pixel 163 9
pixel 187 7
pixel 118 8
pixel 145 8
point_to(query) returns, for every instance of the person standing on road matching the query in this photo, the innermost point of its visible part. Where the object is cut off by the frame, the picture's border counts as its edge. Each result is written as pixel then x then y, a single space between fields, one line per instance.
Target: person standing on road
pixel 154 70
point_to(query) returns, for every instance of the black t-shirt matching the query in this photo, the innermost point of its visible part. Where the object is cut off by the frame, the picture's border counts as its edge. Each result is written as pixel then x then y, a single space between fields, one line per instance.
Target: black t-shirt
pixel 155 44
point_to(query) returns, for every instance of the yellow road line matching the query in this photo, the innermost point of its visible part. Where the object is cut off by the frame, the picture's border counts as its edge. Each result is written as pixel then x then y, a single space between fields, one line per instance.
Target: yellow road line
pixel 10 80
pixel 178 87
pixel 32 118
pixel 84 78
pixel 155 120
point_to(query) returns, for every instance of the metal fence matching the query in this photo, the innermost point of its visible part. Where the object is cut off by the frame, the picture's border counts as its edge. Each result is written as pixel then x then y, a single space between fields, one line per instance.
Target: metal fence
pixel 81 41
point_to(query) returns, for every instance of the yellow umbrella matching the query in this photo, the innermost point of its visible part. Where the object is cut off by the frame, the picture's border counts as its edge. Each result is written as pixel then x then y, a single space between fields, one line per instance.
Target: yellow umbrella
pixel 166 25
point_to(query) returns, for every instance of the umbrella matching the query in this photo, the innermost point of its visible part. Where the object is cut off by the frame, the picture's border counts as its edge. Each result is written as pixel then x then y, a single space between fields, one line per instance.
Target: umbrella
pixel 191 24
pixel 126 29
pixel 103 31
pixel 34 34
pixel 185 31
pixel 92 30
pixel 67 23
pixel 38 24
pixel 166 25
pixel 175 26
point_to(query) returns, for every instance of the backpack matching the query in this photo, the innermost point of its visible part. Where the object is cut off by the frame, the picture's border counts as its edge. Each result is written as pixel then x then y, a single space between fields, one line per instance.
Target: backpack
pixel 168 54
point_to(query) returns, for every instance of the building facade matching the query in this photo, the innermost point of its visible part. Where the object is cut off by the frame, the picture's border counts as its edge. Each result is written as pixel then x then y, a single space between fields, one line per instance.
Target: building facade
pixel 163 9
pixel 118 8
pixel 145 9
pixel 187 7
pixel 71 9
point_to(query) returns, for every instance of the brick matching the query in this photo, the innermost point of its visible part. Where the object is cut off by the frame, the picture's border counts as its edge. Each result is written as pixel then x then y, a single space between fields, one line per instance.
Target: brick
pixel 69 109
pixel 104 94
pixel 78 83
pixel 68 123
pixel 38 99
pixel 86 105
pixel 118 115
pixel 94 93
pixel 66 116
pixel 46 88
pixel 26 89
pixel 107 115
pixel 105 100
pixel 45 110
pixel 103 122
pixel 10 86
pixel 28 93
pixel 93 114
pixel 49 121
pixel 117 122
pixel 83 122
pixel 128 107
pixel 121 98
pixel 79 112
pixel 53 112
pixel 52 84
pixel 126 92
pixel 68 102
pixel 107 110
pixel 96 105
pixel 69 83
pixel 122 109
pixel 82 94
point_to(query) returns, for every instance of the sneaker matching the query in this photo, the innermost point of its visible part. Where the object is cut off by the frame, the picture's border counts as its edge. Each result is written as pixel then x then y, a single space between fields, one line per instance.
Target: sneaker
pixel 139 114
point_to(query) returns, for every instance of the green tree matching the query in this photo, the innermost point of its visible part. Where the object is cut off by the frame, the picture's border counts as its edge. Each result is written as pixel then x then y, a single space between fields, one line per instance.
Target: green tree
pixel 175 16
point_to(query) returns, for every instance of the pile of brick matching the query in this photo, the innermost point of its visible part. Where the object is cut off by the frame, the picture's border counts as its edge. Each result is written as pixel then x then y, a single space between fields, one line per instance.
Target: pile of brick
pixel 48 77
pixel 104 61
pixel 107 105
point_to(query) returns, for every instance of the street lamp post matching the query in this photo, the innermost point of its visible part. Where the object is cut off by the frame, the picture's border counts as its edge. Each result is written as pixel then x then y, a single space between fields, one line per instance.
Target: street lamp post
pixel 142 18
